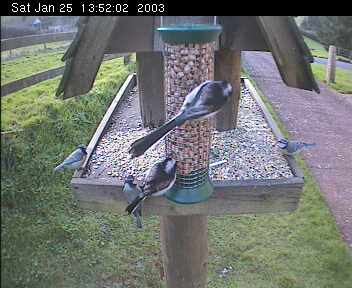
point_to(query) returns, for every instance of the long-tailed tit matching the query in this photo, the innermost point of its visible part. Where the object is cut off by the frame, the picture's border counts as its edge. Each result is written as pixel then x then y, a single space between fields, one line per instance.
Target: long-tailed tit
pixel 204 101
pixel 159 179
pixel 131 192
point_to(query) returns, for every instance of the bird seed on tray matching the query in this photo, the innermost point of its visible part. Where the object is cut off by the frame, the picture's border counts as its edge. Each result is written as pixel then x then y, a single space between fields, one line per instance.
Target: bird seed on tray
pixel 250 149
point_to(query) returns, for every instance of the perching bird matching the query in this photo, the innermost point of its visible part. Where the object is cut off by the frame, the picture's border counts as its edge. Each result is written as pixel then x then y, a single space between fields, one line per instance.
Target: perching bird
pixel 293 147
pixel 159 179
pixel 74 160
pixel 204 101
pixel 131 192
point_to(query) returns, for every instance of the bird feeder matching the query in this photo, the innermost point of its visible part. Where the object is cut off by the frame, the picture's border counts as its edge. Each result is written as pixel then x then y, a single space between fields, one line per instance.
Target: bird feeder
pixel 172 59
pixel 188 61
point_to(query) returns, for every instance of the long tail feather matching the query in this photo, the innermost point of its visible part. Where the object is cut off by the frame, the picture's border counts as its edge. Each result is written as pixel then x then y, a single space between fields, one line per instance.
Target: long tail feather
pixel 143 144
pixel 138 221
pixel 309 145
pixel 134 204
pixel 59 167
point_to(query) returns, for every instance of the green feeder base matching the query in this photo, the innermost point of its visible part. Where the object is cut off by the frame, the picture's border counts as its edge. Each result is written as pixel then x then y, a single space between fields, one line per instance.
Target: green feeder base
pixel 189 33
pixel 191 192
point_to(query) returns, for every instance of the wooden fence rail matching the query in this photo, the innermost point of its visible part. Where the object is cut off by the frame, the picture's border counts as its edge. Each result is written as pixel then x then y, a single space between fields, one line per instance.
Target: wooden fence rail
pixel 30 40
pixel 20 84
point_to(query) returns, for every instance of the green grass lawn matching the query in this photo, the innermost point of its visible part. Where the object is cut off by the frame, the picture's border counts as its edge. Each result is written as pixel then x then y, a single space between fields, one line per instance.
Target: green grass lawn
pixel 34 50
pixel 28 65
pixel 47 241
pixel 343 78
pixel 318 50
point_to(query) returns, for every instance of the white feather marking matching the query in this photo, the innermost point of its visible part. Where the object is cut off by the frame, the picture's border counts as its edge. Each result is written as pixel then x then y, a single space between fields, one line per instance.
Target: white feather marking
pixel 190 97
pixel 162 192
pixel 169 165
pixel 228 88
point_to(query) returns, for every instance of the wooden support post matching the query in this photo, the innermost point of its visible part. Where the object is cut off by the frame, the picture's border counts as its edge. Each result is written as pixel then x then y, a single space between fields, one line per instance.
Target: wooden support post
pixel 228 67
pixel 150 79
pixel 331 66
pixel 126 59
pixel 184 245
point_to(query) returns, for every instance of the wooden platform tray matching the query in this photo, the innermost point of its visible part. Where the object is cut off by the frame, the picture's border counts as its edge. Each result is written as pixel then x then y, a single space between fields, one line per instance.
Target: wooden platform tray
pixel 229 197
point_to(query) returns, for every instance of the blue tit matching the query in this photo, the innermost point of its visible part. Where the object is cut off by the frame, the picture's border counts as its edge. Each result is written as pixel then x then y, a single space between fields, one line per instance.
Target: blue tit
pixel 159 179
pixel 203 101
pixel 74 160
pixel 293 147
pixel 131 192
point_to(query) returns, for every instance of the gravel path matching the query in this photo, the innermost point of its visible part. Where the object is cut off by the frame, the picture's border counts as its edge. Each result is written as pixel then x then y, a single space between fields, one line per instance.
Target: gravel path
pixel 250 149
pixel 323 118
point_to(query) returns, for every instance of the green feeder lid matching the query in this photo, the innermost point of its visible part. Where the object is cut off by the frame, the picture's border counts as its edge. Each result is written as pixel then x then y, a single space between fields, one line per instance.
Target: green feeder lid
pixel 189 33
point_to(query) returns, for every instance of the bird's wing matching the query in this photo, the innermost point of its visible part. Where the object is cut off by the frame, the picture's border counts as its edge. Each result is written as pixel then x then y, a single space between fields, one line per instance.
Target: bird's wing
pixel 157 185
pixel 191 97
pixel 198 111
pixel 157 182
pixel 75 156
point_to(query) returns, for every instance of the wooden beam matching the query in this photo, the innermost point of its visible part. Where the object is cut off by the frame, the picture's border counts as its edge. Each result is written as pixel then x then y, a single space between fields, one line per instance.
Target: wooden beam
pixel 20 84
pixel 129 83
pixel 138 33
pixel 228 67
pixel 289 50
pixel 229 197
pixel 150 79
pixel 84 59
pixel 25 41
pixel 184 246
pixel 241 33
pixel 132 34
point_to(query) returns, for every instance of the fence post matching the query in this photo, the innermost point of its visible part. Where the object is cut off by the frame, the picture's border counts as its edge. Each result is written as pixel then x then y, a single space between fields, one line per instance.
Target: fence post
pixel 331 66
pixel 126 59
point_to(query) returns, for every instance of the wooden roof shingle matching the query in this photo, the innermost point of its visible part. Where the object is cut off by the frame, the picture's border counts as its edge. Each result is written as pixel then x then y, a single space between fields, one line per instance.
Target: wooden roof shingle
pixel 98 35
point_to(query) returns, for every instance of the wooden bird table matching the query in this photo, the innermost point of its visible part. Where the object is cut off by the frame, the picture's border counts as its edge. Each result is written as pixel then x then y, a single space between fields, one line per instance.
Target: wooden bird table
pixel 183 227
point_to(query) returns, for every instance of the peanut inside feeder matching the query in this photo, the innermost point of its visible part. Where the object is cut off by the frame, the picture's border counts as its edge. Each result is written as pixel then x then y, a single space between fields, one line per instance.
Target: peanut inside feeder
pixel 189 61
